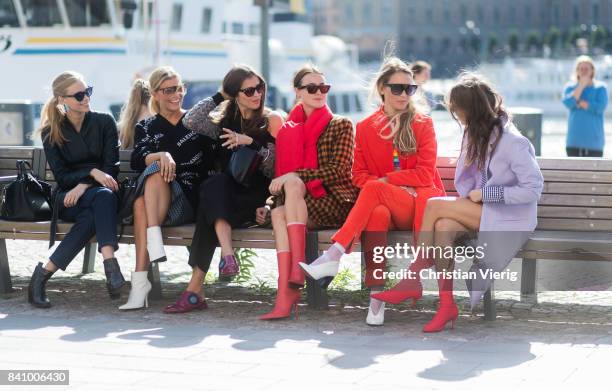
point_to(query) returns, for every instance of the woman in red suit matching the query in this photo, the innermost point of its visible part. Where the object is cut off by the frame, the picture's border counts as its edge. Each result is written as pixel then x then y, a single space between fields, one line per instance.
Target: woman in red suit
pixel 395 168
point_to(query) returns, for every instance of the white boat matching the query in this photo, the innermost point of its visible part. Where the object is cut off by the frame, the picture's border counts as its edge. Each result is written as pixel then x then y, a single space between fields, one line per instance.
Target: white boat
pixel 201 39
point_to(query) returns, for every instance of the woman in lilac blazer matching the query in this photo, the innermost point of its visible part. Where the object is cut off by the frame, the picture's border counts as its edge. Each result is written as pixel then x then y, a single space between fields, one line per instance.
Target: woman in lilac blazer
pixel 499 184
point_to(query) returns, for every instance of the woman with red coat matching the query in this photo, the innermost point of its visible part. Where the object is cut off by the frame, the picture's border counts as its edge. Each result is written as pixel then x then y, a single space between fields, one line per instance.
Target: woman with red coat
pixel 395 168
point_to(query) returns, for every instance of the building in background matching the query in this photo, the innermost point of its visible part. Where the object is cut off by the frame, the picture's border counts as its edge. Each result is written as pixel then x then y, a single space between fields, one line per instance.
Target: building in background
pixel 452 34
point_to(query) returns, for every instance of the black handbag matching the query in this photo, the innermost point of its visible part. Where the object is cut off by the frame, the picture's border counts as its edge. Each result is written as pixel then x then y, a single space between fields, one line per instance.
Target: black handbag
pixel 126 195
pixel 27 198
pixel 243 164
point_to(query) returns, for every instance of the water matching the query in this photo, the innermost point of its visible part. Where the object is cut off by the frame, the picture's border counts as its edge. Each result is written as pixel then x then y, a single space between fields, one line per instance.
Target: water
pixel 554 129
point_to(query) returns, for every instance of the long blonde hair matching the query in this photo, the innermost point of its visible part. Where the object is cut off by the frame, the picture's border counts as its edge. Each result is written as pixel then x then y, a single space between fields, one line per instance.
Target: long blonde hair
pixel 130 112
pixel 158 76
pixel 53 113
pixel 400 126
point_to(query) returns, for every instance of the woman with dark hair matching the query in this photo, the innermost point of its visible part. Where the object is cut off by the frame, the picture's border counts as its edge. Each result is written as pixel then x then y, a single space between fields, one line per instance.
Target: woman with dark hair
pixel 235 118
pixel 82 149
pixel 395 168
pixel 499 184
pixel 174 161
pixel 313 181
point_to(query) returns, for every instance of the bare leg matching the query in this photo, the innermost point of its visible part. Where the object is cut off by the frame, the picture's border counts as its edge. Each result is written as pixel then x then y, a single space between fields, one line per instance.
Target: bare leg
pixel 156 199
pixel 295 205
pixel 51 267
pixel 462 210
pixel 196 282
pixel 279 224
pixel 224 235
pixel 107 252
pixel 140 235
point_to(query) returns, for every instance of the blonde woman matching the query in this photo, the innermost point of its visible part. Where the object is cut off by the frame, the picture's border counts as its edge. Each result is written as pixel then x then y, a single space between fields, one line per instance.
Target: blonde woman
pixel 395 168
pixel 173 160
pixel 135 110
pixel 586 99
pixel 82 150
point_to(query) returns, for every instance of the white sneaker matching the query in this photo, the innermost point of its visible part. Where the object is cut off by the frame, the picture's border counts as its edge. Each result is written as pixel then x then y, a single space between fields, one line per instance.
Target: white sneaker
pixel 378 318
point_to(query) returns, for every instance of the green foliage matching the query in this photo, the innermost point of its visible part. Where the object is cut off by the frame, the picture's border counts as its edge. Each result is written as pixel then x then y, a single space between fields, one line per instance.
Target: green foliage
pixel 343 280
pixel 245 258
pixel 261 287
pixel 552 38
pixel 598 37
pixel 493 44
pixel 533 40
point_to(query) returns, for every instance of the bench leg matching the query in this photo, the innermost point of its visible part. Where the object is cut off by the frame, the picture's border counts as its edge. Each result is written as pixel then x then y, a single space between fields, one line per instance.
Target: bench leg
pixel 153 275
pixel 89 260
pixel 5 274
pixel 489 304
pixel 316 296
pixel 528 277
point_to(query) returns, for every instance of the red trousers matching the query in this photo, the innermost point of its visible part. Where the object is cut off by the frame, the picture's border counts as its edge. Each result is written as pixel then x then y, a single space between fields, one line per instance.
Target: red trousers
pixel 379 207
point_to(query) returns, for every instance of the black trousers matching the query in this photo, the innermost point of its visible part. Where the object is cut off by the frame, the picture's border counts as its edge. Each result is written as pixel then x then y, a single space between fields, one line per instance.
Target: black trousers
pixel 583 152
pixel 220 197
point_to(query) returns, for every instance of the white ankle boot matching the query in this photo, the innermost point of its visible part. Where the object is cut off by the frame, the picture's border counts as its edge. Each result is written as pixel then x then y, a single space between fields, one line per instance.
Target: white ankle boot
pixel 155 244
pixel 139 294
pixel 378 318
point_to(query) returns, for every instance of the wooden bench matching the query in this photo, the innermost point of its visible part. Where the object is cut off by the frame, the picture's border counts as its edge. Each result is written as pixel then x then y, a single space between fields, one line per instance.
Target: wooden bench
pixel 574 222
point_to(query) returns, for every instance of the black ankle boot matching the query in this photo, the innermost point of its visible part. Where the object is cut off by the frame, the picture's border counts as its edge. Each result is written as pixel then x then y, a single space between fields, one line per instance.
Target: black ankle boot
pixel 36 290
pixel 114 278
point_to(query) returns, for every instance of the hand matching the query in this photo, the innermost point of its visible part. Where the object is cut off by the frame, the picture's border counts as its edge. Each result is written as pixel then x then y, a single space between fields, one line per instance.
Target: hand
pixel 383 179
pixel 276 186
pixel 475 195
pixel 234 139
pixel 583 104
pixel 261 214
pixel 104 179
pixel 72 197
pixel 584 82
pixel 167 167
pixel 410 190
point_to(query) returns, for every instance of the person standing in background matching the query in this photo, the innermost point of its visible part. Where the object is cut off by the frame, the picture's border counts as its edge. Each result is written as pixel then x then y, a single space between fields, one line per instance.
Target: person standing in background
pixel 586 99
pixel 422 74
pixel 135 110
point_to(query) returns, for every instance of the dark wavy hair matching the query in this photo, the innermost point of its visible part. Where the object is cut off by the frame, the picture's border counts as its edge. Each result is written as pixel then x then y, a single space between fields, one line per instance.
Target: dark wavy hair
pixel 229 112
pixel 484 114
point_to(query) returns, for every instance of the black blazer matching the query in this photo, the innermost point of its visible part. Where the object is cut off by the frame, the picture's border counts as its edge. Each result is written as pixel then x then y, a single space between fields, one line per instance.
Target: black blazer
pixel 95 146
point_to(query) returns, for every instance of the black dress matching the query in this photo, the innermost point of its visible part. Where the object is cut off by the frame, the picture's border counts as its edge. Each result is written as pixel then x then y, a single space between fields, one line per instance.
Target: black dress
pixel 192 153
pixel 221 197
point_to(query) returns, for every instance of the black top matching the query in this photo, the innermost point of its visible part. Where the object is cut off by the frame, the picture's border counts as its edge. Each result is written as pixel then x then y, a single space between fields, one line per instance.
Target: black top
pixel 192 152
pixel 95 146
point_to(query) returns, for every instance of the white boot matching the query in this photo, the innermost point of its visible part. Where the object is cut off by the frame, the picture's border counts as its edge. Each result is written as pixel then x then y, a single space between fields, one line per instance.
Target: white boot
pixel 139 294
pixel 155 244
pixel 376 318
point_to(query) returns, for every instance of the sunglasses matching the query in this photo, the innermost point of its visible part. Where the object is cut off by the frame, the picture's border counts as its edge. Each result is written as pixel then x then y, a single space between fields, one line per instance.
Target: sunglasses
pixel 249 92
pixel 397 89
pixel 79 96
pixel 312 88
pixel 173 90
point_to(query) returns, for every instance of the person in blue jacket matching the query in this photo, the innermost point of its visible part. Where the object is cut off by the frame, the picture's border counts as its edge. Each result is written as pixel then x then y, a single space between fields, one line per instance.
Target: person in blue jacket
pixel 586 99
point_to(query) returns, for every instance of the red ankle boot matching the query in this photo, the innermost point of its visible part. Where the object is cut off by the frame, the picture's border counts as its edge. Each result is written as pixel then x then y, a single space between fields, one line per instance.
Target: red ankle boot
pixel 286 298
pixel 407 288
pixel 297 244
pixel 447 309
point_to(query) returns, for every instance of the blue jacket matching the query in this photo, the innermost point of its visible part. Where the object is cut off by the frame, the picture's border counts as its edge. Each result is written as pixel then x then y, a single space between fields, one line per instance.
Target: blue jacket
pixel 585 128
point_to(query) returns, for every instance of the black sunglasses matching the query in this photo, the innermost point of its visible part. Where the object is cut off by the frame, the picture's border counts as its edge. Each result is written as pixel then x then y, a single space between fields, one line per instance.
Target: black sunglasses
pixel 79 96
pixel 173 90
pixel 251 90
pixel 312 88
pixel 397 89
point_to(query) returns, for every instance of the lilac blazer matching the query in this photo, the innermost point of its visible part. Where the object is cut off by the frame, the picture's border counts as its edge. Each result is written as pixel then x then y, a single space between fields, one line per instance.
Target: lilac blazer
pixel 513 170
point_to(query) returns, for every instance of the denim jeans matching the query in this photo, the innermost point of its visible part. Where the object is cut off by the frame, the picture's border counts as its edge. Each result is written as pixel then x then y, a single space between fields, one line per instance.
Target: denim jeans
pixel 94 214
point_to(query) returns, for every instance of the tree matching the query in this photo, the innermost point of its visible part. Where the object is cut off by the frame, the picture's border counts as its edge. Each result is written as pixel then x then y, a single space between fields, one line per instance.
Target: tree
pixel 513 41
pixel 475 44
pixel 533 41
pixel 552 38
pixel 598 38
pixel 574 35
pixel 493 45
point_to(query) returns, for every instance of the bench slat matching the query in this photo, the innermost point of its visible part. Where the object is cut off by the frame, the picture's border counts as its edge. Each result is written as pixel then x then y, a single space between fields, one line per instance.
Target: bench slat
pixel 575 200
pixel 17 152
pixel 577 176
pixel 553 224
pixel 575 212
pixel 575 164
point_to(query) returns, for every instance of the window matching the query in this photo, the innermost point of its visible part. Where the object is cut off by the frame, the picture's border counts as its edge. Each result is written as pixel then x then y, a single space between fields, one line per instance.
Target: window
pixel 576 13
pixel 177 17
pixel 41 13
pixel 86 13
pixel 206 20
pixel 429 14
pixel 331 100
pixel 595 13
pixel 8 15
pixel 496 16
pixel 463 11
pixel 224 27
pixel 358 107
pixel 346 103
pixel 145 15
pixel 237 28
pixel 254 29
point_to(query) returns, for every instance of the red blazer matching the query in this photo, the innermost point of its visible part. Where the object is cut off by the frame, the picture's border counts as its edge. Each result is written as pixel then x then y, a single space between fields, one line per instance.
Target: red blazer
pixel 373 159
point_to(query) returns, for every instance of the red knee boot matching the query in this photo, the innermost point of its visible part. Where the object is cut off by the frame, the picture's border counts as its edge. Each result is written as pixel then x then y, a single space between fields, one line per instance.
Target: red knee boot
pixel 297 244
pixel 286 298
